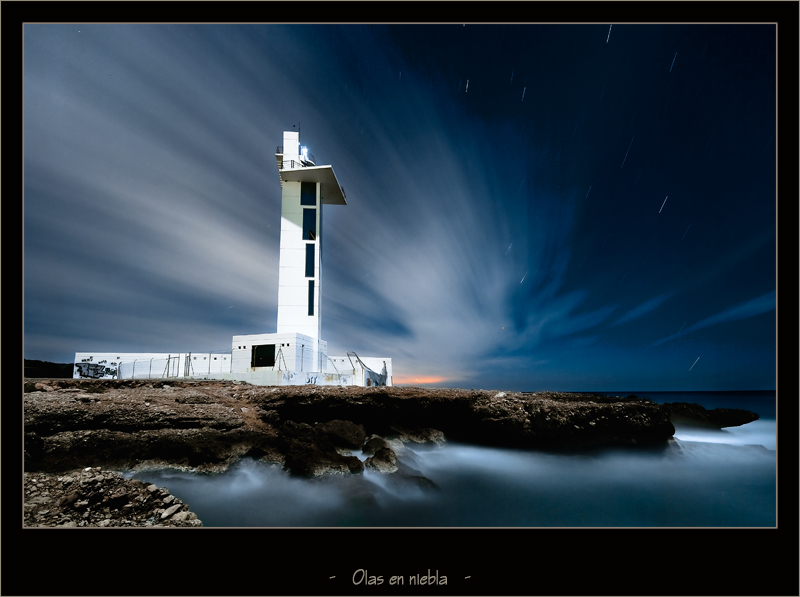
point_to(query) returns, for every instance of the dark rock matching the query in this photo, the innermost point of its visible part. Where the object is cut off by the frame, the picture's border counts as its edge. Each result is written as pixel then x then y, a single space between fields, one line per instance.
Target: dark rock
pixel 421 482
pixel 508 419
pixel 34 446
pixel 420 435
pixel 310 453
pixel 373 444
pixel 731 417
pixel 195 398
pixel 343 433
pixel 270 417
pixel 692 414
pixel 67 500
pixel 384 461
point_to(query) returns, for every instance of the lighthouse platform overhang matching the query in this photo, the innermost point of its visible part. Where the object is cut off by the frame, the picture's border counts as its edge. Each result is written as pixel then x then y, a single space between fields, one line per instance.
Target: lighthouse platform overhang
pixel 330 190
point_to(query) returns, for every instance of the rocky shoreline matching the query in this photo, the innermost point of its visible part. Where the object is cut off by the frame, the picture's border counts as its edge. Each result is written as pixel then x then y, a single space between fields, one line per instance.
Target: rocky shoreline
pixel 79 435
pixel 92 497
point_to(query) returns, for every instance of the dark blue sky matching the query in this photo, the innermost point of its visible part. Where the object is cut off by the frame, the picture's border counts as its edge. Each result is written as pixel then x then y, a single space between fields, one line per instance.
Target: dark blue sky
pixel 566 207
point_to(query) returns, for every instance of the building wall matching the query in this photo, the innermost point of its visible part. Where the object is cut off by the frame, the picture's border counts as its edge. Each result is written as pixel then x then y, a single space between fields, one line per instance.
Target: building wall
pixel 286 378
pixel 293 352
pixel 291 145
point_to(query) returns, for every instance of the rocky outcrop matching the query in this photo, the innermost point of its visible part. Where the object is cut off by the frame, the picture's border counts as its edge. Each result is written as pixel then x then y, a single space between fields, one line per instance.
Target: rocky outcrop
pixel 310 451
pixel 91 497
pixel 510 419
pixel 209 425
pixel 694 415
pixel 384 461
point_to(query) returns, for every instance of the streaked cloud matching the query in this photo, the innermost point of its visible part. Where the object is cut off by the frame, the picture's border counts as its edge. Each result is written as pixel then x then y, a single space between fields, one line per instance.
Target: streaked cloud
pixel 757 306
pixel 643 309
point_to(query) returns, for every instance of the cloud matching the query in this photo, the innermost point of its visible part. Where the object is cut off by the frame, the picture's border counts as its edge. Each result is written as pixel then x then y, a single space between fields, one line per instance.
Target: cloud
pixel 643 309
pixel 757 306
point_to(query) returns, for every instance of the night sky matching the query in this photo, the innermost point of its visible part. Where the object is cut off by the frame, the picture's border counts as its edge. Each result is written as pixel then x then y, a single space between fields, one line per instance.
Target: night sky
pixel 530 207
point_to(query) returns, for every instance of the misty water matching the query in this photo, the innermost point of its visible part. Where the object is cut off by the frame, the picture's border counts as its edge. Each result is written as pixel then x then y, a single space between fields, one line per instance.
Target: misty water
pixel 706 478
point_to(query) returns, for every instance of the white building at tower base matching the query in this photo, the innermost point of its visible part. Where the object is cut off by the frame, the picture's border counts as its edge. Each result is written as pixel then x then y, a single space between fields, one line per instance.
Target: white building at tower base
pixel 296 353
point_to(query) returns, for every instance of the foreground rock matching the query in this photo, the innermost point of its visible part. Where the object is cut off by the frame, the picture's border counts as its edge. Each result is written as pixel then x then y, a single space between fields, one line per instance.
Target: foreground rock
pixel 309 430
pixel 694 415
pixel 92 497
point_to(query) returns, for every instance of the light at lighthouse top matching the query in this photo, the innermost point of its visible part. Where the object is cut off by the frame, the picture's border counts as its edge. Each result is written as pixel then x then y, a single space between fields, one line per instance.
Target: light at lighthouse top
pixel 296 164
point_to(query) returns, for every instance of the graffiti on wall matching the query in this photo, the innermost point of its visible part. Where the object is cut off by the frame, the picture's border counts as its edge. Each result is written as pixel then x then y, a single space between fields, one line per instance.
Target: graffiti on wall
pixel 99 370
pixel 293 378
pixel 288 378
pixel 336 380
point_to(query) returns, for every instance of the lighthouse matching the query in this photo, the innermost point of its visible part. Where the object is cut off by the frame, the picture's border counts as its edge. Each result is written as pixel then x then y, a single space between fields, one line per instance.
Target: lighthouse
pixel 305 188
pixel 296 353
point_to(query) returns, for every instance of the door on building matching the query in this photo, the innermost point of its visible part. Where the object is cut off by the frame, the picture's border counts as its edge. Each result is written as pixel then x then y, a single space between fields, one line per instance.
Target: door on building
pixel 263 355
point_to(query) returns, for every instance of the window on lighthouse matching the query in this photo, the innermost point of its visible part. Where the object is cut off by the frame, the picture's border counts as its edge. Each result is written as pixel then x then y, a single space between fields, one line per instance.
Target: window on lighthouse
pixel 308 193
pixel 309 224
pixel 309 260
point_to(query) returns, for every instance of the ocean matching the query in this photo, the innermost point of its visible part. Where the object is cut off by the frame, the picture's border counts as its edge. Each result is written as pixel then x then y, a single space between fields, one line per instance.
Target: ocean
pixel 724 478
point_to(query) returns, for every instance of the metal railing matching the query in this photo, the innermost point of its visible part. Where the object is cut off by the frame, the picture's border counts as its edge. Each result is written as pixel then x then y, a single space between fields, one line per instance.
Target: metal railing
pixel 309 161
pixel 297 164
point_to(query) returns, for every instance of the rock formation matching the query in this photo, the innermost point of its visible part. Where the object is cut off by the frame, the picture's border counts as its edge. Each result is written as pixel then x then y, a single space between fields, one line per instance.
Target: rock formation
pixel 206 426
pixel 92 497
pixel 692 414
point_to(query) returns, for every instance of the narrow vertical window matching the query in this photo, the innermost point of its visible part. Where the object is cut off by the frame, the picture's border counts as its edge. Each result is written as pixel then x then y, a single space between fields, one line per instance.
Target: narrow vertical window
pixel 308 193
pixel 309 260
pixel 309 224
pixel 311 297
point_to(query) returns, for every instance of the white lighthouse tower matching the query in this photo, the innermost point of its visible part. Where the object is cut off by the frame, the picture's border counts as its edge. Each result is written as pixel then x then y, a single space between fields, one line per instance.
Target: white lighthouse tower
pixel 305 188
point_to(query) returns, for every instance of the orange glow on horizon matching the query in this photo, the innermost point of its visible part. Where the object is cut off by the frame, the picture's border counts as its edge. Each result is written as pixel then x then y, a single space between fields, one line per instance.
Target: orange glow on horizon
pixel 411 380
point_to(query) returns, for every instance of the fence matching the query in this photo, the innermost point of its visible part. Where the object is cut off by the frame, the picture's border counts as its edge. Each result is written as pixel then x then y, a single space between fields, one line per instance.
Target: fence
pixel 220 365
pixel 180 365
